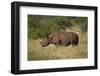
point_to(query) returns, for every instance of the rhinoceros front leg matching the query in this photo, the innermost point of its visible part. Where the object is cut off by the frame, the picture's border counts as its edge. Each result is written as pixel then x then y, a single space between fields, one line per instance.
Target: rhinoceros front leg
pixel 57 44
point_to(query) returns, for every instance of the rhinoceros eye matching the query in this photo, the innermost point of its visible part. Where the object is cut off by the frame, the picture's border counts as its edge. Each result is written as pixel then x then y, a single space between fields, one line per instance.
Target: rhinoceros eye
pixel 40 42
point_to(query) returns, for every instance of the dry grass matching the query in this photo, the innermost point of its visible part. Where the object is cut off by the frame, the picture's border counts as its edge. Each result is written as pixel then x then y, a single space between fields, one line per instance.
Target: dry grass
pixel 37 52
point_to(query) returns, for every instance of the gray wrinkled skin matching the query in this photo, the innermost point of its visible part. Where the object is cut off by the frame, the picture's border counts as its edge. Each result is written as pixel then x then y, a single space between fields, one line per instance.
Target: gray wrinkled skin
pixel 61 38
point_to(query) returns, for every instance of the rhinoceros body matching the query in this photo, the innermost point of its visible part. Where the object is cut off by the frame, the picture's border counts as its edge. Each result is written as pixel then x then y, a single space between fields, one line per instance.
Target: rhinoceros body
pixel 61 38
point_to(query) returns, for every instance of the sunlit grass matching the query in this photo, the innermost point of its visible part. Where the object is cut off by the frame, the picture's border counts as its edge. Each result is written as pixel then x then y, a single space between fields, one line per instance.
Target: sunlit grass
pixel 51 52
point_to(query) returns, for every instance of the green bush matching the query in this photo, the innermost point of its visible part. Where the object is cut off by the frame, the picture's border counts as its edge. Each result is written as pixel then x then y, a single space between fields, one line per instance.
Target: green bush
pixel 41 26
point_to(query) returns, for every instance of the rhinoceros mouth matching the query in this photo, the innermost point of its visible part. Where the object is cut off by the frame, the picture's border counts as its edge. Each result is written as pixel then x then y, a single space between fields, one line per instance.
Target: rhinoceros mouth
pixel 44 45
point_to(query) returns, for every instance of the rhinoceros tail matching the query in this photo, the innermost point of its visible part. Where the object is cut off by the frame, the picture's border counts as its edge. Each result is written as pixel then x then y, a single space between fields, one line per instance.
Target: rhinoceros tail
pixel 77 40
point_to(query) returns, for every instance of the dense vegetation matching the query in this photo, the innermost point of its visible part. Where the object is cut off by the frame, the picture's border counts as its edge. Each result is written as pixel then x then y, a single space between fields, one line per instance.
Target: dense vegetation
pixel 40 26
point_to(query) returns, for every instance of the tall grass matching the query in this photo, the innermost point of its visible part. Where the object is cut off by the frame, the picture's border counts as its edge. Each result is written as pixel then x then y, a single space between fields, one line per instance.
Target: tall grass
pixel 51 52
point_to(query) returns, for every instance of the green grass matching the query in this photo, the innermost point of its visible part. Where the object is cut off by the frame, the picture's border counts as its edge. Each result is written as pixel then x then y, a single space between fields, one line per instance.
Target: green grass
pixel 51 52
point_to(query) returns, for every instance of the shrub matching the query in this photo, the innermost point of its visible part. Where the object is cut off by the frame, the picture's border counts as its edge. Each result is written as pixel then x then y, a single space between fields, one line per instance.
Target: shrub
pixel 41 26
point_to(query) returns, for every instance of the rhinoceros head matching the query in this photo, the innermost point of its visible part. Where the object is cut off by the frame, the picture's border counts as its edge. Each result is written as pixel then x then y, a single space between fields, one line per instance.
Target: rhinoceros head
pixel 44 42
